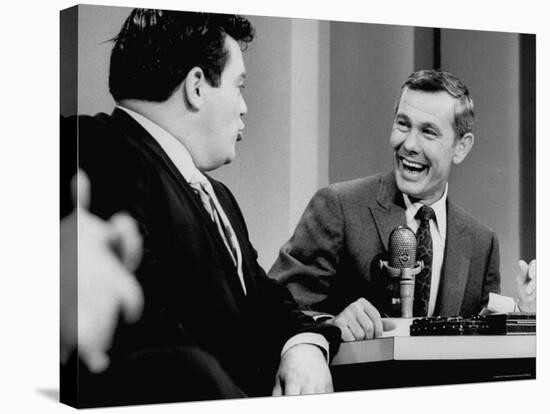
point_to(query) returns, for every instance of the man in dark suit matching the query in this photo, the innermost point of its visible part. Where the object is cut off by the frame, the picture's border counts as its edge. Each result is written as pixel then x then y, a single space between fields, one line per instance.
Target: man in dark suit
pixel 332 262
pixel 213 325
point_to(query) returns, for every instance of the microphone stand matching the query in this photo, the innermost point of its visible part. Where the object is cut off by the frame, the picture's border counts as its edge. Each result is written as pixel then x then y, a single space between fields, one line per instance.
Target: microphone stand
pixel 405 276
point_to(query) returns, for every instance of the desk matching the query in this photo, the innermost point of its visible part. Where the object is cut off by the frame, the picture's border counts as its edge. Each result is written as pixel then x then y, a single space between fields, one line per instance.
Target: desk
pixel 405 361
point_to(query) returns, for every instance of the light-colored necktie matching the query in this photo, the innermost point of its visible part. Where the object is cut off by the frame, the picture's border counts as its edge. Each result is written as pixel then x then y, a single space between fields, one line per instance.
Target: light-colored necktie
pixel 206 193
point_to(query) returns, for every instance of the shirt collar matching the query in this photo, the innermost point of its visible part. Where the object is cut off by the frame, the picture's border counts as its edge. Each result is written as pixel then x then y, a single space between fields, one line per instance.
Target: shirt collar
pixel 175 150
pixel 439 208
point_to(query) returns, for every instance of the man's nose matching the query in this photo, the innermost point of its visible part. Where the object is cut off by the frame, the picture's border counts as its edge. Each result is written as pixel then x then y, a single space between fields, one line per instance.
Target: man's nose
pixel 412 141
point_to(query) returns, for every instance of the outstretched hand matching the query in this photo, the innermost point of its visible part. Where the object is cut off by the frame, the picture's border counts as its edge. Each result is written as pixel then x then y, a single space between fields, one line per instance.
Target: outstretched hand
pixel 526 284
pixel 108 252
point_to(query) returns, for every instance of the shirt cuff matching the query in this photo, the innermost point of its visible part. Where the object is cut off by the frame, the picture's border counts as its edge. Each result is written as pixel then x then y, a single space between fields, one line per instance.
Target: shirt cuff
pixel 322 317
pixel 308 338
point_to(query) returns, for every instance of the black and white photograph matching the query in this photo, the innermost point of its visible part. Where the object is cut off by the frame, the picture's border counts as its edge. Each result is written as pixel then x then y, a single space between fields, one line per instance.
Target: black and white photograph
pixel 381 249
pixel 262 208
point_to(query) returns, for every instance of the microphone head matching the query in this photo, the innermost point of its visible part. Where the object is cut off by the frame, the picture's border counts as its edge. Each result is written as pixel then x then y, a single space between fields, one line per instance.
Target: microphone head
pixel 402 248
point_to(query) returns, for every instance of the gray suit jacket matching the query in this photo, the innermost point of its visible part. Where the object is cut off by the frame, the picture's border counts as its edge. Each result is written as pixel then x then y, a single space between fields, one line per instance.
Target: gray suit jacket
pixel 333 257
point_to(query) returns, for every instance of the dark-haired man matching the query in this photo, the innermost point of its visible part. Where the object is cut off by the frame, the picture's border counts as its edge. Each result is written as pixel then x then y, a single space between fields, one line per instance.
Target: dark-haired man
pixel 332 262
pixel 213 324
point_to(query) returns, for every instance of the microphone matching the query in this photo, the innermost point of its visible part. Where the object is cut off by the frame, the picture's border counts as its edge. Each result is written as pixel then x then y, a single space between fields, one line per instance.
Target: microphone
pixel 403 267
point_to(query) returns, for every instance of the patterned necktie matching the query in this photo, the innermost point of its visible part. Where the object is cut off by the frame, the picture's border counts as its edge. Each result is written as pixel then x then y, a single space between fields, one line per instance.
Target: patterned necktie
pixel 424 252
pixel 204 191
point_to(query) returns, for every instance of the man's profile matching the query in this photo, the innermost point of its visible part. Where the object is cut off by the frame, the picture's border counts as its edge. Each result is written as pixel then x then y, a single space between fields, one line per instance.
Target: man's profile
pixel 213 325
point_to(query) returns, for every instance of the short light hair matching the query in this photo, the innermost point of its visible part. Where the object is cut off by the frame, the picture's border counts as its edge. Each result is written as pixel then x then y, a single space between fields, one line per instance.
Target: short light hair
pixel 442 81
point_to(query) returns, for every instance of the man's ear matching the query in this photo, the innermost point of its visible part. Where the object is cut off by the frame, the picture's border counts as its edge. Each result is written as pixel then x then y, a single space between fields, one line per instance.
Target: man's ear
pixel 193 88
pixel 463 147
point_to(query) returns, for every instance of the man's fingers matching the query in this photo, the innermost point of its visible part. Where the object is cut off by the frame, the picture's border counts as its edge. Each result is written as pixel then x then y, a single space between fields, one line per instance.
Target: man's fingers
pixel 80 189
pixel 367 325
pixel 533 270
pixel 532 278
pixel 121 289
pixel 95 361
pixel 291 388
pixel 131 298
pixel 126 240
pixel 388 325
pixel 374 316
pixel 310 388
pixel 347 336
pixel 277 390
pixel 523 272
pixel 355 328
pixel 522 262
pixel 527 277
pixel 359 320
pixel 531 287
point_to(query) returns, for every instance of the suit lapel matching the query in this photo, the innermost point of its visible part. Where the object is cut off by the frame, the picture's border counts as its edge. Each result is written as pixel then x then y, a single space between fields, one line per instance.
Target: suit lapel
pixel 140 137
pixel 456 262
pixel 389 209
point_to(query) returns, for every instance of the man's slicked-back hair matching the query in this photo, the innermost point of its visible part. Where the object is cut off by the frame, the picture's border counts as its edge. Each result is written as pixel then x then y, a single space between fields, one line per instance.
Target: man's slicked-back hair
pixel 442 81
pixel 155 50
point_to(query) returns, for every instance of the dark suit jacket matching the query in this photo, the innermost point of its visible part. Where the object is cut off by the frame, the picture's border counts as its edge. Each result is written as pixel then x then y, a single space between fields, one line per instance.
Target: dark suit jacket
pixel 333 257
pixel 193 295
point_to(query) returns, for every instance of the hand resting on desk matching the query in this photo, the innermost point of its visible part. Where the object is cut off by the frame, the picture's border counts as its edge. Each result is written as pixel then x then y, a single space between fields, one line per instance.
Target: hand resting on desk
pixel 359 320
pixel 303 370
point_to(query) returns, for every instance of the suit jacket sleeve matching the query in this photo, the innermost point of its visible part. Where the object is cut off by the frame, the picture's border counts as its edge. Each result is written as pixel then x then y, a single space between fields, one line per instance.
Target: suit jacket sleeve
pixel 492 275
pixel 308 262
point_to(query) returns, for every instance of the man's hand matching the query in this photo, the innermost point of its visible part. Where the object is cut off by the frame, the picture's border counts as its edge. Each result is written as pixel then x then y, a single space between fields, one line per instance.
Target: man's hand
pixel 303 370
pixel 526 284
pixel 359 320
pixel 108 251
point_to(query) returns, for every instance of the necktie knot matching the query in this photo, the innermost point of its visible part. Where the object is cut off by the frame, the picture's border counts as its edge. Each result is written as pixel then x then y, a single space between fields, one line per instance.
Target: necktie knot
pixel 199 186
pixel 425 214
pixel 200 189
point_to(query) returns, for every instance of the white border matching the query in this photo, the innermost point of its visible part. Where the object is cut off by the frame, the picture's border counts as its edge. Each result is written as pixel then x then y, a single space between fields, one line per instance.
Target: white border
pixel 29 220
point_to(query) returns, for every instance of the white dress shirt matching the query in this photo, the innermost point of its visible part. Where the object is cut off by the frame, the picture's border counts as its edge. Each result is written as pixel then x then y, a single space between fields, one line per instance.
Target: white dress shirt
pixel 438 231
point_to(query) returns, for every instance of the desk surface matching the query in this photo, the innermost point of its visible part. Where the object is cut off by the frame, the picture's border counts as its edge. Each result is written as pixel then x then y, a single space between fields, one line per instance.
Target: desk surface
pixel 411 348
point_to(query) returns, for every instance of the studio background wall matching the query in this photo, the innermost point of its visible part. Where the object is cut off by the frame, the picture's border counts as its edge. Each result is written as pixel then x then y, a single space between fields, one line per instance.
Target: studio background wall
pixel 320 101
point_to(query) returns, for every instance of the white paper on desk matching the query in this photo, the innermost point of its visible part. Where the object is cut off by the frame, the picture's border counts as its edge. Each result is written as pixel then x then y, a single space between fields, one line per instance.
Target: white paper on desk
pixel 396 326
pixel 499 304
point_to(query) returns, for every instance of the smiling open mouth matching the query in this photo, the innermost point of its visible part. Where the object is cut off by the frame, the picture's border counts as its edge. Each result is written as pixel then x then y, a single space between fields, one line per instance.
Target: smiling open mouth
pixel 412 166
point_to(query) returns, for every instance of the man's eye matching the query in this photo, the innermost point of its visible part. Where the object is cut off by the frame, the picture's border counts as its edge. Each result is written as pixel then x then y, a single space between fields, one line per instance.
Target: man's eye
pixel 430 132
pixel 402 125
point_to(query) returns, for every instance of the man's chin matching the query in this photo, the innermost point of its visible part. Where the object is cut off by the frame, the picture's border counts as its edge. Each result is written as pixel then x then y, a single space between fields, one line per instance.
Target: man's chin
pixel 228 160
pixel 411 188
pixel 220 162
